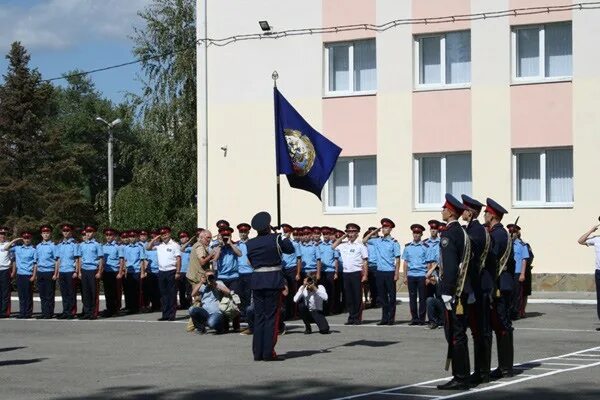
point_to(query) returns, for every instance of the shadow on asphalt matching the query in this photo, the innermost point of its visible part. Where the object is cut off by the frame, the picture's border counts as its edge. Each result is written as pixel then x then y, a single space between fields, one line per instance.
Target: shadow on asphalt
pixel 5 349
pixel 20 362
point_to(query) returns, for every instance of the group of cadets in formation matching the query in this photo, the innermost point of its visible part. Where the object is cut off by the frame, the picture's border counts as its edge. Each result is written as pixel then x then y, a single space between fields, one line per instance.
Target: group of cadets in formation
pixel 354 272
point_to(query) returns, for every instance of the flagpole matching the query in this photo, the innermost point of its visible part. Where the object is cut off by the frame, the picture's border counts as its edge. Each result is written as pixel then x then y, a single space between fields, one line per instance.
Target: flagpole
pixel 274 76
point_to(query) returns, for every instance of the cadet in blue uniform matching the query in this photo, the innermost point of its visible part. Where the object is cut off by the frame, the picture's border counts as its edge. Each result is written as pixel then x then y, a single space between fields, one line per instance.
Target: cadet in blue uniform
pixel 502 251
pixel 289 263
pixel 415 257
pixel 433 258
pixel 67 254
pixel 264 254
pixel 183 286
pixel 244 269
pixel 454 251
pixel 226 259
pixel 521 256
pixel 151 289
pixel 329 267
pixel 309 254
pixel 481 276
pixel 113 271
pixel 90 271
pixel 371 287
pixel 134 256
pixel 47 272
pixel 7 272
pixel 26 260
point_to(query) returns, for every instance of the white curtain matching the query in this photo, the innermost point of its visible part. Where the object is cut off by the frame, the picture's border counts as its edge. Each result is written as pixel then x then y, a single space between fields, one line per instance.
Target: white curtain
pixel 430 180
pixel 365 65
pixel 458 57
pixel 559 175
pixel 339 68
pixel 339 185
pixel 559 49
pixel 528 49
pixel 529 184
pixel 365 182
pixel 458 174
pixel 431 69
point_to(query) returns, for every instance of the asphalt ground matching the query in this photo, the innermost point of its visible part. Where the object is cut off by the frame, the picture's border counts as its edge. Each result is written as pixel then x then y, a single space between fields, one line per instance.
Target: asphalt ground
pixel 137 357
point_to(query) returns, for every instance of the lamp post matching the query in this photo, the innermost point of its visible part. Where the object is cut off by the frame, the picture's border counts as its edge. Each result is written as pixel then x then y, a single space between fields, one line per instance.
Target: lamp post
pixel 110 162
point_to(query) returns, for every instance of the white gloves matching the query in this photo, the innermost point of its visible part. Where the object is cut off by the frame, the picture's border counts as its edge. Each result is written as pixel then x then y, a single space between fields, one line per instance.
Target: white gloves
pixel 447 301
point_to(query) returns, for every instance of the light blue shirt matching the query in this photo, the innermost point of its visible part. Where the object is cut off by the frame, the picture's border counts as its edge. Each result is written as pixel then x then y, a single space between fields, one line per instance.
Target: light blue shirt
pixel 372 260
pixel 243 262
pixel 415 255
pixel 387 250
pixel 289 261
pixel 328 256
pixel 91 253
pixel 67 251
pixel 227 264
pixel 310 254
pixel 134 254
pixel 521 253
pixel 46 257
pixel 25 258
pixel 210 298
pixel 185 259
pixel 152 259
pixel 433 255
pixel 112 256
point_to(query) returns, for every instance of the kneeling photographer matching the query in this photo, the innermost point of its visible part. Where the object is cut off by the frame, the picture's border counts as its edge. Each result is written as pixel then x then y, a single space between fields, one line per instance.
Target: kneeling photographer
pixel 310 298
pixel 210 293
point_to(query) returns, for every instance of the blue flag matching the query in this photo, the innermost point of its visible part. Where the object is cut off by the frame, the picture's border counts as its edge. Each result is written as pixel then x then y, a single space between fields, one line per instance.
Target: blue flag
pixel 305 156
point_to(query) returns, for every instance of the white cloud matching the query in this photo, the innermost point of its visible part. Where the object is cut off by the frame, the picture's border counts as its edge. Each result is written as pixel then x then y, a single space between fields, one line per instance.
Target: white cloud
pixel 60 24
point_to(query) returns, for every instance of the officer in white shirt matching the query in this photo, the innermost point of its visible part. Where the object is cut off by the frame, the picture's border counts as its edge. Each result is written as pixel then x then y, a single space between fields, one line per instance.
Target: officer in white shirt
pixel 168 253
pixel 6 274
pixel 354 255
pixel 310 298
pixel 594 241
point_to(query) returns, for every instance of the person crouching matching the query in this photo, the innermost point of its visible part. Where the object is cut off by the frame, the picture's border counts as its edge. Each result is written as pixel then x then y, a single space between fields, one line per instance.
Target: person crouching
pixel 310 298
pixel 210 292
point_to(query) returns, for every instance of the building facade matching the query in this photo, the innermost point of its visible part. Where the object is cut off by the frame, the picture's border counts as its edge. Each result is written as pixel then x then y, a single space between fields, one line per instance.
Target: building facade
pixel 501 107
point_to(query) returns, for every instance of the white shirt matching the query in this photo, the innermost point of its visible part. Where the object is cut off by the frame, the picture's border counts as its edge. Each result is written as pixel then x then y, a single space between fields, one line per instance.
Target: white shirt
pixel 167 254
pixel 353 255
pixel 595 241
pixel 314 300
pixel 4 257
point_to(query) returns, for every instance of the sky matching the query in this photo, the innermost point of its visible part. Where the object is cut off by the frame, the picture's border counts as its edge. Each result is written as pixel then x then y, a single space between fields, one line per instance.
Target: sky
pixel 62 35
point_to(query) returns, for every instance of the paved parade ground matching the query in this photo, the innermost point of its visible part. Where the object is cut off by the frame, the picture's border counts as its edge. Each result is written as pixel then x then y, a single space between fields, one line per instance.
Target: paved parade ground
pixel 136 357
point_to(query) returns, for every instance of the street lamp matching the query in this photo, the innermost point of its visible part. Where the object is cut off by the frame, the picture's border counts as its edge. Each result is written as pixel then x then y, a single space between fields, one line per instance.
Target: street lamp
pixel 110 162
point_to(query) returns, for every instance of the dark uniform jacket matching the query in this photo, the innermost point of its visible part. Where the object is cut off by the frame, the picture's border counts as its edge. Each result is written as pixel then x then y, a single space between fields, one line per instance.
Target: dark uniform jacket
pixel 483 281
pixel 500 242
pixel 452 244
pixel 264 251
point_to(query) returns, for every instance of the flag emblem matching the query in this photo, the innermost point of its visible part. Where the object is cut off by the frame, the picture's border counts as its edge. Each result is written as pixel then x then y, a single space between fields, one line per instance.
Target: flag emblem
pixel 301 151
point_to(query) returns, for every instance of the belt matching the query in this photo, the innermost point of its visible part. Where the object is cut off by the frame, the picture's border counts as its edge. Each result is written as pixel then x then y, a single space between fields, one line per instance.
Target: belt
pixel 268 269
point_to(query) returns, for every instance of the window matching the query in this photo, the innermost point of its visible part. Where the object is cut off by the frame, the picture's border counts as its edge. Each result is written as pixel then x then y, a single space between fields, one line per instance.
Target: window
pixel 353 185
pixel 350 67
pixel 443 60
pixel 543 178
pixel 542 52
pixel 436 175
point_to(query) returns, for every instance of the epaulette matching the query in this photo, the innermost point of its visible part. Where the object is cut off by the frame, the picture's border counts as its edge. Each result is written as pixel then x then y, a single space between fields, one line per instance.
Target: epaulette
pixel 408 244
pixel 425 244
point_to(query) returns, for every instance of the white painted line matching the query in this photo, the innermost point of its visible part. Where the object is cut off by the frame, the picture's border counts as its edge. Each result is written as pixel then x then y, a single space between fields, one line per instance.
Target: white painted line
pixel 589 355
pixel 555 329
pixel 391 389
pixel 537 301
pixel 531 368
pixel 563 364
pixel 428 386
pixel 410 395
pixel 578 359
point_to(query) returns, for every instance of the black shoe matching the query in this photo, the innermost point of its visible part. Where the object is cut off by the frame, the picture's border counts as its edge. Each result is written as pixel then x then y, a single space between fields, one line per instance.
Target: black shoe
pixel 61 316
pixel 432 325
pixel 106 314
pixel 391 322
pixel 454 385
pixel 40 317
pixel 85 316
pixel 413 323
pixel 478 378
pixel 326 332
pixel 382 322
pixel 70 316
pixel 349 323
pixel 499 374
pixel 92 317
pixel 357 323
pixel 163 319
pixel 308 330
pixel 276 358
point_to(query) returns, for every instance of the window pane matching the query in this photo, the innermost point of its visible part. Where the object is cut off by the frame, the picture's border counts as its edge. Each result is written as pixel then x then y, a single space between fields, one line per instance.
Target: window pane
pixel 431 69
pixel 365 71
pixel 339 183
pixel 559 175
pixel 528 52
pixel 365 182
pixel 528 177
pixel 458 57
pixel 430 180
pixel 458 174
pixel 559 50
pixel 338 68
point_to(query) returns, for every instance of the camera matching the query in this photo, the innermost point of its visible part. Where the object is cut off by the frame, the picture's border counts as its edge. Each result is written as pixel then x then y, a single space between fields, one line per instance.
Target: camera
pixel 309 280
pixel 225 239
pixel 211 278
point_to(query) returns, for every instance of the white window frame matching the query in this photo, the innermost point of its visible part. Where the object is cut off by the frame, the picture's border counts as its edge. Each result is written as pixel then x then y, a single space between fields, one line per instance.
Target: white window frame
pixel 542 203
pixel 418 56
pixel 417 178
pixel 351 91
pixel 327 209
pixel 542 56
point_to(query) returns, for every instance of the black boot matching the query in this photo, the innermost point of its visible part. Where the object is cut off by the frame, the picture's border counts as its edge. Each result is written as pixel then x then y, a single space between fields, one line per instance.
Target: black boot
pixel 504 369
pixel 486 358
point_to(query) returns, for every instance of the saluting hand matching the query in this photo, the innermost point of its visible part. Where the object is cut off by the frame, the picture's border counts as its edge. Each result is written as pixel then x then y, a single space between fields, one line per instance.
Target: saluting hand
pixel 74 275
pixel 54 277
pixel 595 228
pixel 98 275
pixel 177 275
pixel 32 279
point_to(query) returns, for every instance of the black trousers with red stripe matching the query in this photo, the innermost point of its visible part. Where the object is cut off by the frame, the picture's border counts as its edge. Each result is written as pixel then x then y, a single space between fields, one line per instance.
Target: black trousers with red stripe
pixel 89 292
pixel 5 293
pixel 266 322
